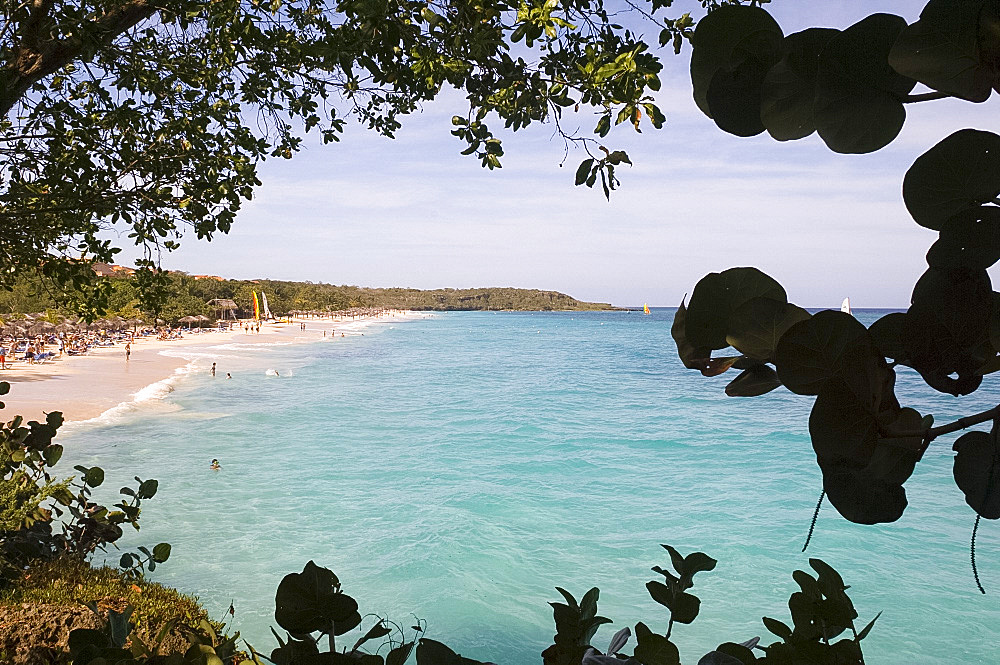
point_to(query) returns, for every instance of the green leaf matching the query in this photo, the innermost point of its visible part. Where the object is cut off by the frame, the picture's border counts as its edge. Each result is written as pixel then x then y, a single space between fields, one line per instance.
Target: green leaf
pixel 583 171
pixel 717 296
pixel 977 472
pixel 161 552
pixel 52 454
pixel 943 50
pixel 858 107
pixel 789 88
pixel 147 489
pixel 959 173
pixel 94 476
pixel 720 658
pixel 755 327
pixel 653 649
pixel 4 387
pixel 753 382
pixel 810 352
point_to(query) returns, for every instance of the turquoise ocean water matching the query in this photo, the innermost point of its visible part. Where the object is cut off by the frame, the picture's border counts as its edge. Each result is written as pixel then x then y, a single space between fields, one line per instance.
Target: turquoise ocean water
pixel 459 467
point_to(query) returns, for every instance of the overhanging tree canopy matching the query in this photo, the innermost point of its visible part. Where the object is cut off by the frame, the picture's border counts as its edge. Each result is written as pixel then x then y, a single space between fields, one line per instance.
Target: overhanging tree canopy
pixel 154 116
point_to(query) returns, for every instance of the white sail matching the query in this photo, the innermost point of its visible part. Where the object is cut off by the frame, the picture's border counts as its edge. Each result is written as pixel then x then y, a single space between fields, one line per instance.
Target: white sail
pixel 267 312
pixel 845 306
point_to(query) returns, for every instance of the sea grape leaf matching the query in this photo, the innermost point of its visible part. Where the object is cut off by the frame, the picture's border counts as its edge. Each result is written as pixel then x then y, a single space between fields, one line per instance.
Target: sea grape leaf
pixel 654 649
pixel 717 295
pixel 311 600
pixel 969 239
pixel 734 93
pixel 753 382
pixel 432 652
pixel 889 335
pixel 720 658
pixel 756 326
pixel 691 355
pixel 789 88
pixel 863 498
pixel 724 39
pixel 843 430
pixel 858 107
pixel 977 472
pixel 741 653
pixel 960 172
pixel 810 351
pixel 942 50
pixel 949 321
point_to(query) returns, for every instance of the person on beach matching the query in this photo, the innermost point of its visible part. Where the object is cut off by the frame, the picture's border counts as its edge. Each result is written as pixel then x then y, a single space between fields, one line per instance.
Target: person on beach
pixel 228 375
pixel 29 355
pixel 3 357
pixel 128 350
pixel 215 465
pixel 62 346
pixel 213 369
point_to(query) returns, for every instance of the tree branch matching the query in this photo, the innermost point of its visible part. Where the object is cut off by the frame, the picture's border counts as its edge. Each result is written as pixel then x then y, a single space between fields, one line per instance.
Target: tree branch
pixel 933 432
pixel 30 61
pixel 925 97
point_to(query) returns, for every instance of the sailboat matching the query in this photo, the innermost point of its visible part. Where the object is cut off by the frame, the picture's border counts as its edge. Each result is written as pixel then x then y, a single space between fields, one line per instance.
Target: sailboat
pixel 267 312
pixel 645 308
pixel 845 306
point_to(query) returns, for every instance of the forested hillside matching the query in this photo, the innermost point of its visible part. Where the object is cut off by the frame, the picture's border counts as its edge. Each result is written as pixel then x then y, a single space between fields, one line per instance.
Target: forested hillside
pixel 188 295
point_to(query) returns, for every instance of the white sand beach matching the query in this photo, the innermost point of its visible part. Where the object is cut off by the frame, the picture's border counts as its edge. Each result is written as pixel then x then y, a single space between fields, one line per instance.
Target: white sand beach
pixel 84 387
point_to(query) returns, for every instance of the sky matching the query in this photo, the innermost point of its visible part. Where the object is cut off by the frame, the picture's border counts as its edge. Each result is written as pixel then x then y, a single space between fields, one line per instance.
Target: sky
pixel 413 212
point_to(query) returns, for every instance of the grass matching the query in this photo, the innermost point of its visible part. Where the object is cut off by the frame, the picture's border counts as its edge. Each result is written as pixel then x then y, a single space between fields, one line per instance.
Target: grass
pixel 69 582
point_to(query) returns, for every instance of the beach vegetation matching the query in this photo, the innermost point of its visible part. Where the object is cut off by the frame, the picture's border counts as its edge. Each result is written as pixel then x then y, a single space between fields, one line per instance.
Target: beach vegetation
pixel 151 120
pixel 314 610
pixel 44 517
pixel 851 86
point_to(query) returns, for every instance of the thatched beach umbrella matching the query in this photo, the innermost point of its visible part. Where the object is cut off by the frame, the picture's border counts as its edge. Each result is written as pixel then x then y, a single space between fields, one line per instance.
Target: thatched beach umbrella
pixel 188 320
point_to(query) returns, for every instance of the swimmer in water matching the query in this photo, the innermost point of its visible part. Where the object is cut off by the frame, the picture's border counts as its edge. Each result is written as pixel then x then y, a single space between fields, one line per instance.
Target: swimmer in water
pixel 228 375
pixel 215 465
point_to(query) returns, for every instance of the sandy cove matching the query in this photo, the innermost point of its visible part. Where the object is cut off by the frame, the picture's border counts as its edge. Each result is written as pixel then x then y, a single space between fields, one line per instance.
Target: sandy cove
pixel 84 387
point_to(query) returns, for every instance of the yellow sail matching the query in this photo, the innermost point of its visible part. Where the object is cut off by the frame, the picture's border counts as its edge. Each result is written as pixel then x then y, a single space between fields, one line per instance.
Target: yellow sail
pixel 256 307
pixel 645 308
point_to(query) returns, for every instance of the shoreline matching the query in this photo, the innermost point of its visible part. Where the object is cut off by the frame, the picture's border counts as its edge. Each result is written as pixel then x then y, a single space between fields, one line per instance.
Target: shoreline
pixel 86 388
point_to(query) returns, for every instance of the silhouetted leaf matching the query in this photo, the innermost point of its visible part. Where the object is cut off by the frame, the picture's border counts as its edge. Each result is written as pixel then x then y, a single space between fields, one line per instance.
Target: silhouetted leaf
pixel 889 335
pixel 743 654
pixel 858 107
pixel 309 601
pixel 653 649
pixel 789 89
pixel 970 239
pixel 717 296
pixel 977 472
pixel 726 38
pixel 688 352
pixel 949 321
pixel 756 326
pixel 719 658
pixel 809 352
pixel 942 50
pixel 862 498
pixel 399 654
pixel 431 652
pixel 961 172
pixel 753 382
pixel 777 627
